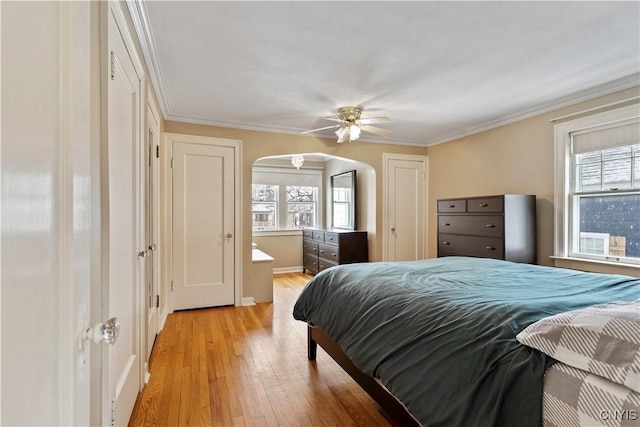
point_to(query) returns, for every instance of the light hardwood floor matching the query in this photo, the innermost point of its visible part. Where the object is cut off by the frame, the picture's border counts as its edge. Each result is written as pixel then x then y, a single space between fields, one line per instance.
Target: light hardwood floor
pixel 236 366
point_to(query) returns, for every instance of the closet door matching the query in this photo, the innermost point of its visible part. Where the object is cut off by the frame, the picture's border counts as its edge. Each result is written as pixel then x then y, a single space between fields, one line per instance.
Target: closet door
pixel 203 225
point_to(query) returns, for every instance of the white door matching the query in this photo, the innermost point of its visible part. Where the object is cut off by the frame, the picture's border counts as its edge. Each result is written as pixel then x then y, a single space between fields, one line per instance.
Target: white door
pixel 151 260
pixel 405 207
pixel 203 225
pixel 122 358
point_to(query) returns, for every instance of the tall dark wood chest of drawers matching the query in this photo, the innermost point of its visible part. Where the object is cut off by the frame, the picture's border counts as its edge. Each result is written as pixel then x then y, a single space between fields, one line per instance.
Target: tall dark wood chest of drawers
pixel 500 227
pixel 322 249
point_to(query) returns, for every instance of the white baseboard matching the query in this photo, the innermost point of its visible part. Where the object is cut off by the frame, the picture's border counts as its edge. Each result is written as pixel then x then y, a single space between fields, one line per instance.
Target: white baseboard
pixel 281 270
pixel 163 318
pixel 248 301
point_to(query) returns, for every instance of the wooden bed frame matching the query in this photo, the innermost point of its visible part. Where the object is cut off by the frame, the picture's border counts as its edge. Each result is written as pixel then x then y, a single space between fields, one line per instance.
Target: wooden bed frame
pixel 391 407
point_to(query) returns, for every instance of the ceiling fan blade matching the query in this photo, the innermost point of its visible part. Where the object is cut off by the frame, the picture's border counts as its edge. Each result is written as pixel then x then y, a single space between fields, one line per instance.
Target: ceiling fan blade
pixel 372 120
pixel 376 130
pixel 326 127
pixel 333 119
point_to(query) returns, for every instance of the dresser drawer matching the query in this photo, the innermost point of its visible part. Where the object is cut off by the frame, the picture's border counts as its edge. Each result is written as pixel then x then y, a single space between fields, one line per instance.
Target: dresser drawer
pixel 331 237
pixel 310 247
pixel 476 246
pixel 322 248
pixel 329 252
pixel 478 225
pixel 489 204
pixel 452 205
pixel 323 264
pixel 310 262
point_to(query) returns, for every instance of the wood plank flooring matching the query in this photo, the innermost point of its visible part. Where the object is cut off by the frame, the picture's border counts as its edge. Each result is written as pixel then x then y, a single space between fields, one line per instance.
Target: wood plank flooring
pixel 237 366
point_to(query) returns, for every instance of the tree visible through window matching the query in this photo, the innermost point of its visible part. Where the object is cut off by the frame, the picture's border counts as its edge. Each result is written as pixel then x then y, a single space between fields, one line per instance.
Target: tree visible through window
pixel 300 204
pixel 264 206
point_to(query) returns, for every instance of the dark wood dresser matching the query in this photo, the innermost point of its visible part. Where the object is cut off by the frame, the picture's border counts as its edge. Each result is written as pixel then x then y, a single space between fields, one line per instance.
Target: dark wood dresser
pixel 322 249
pixel 500 227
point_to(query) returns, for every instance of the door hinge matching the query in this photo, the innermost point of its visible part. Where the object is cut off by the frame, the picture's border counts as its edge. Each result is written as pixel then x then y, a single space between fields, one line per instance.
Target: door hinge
pixel 172 286
pixel 113 65
pixel 113 413
pixel 157 151
pixel 157 301
pixel 171 163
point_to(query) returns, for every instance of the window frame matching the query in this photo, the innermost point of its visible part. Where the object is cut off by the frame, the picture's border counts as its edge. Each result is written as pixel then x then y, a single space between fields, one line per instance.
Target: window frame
pixel 285 206
pixel 281 199
pixel 564 212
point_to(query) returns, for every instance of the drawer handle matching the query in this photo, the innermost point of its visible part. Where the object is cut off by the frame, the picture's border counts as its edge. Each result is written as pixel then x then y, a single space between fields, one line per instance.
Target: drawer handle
pixel 491 248
pixel 446 243
pixel 314 249
pixel 490 226
pixel 446 224
pixel 484 205
pixel 452 206
pixel 321 251
pixel 334 255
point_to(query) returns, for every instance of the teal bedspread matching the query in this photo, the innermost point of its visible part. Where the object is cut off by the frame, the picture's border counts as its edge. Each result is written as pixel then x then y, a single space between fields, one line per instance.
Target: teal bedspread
pixel 440 333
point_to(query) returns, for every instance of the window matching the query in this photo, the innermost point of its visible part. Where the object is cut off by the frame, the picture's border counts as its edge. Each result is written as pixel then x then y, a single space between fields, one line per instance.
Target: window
pixel 285 199
pixel 301 206
pixel 598 187
pixel 264 206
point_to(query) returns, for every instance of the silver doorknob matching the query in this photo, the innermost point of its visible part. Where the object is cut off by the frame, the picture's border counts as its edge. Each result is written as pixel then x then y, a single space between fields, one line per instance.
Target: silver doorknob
pixel 104 332
pixel 144 253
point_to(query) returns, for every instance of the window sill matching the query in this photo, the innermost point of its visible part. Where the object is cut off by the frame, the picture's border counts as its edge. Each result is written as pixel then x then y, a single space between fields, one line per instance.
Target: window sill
pixel 597 266
pixel 292 232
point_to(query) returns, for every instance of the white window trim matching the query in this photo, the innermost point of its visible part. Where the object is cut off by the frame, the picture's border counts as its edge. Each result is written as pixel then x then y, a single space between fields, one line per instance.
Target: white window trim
pixel 281 203
pixel 562 174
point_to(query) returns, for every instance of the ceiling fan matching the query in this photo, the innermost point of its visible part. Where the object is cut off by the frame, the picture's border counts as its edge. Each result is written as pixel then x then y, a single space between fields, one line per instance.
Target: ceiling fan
pixel 350 124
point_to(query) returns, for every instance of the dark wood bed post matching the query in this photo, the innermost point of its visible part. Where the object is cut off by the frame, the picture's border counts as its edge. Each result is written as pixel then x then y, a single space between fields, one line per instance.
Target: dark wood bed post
pixel 392 409
pixel 312 346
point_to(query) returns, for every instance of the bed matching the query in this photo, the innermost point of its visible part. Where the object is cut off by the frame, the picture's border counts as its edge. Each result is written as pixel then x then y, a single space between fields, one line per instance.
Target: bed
pixel 436 342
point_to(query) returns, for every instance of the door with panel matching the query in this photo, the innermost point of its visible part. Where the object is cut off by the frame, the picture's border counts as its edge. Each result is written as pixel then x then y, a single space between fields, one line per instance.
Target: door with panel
pixel 152 294
pixel 405 208
pixel 121 361
pixel 203 180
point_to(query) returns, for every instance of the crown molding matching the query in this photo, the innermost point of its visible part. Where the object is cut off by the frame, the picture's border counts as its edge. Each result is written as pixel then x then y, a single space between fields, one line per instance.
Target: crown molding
pixel 142 27
pixel 138 13
pixel 614 86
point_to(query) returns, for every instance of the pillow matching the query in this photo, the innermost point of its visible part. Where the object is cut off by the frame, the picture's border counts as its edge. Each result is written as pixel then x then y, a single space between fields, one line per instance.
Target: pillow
pixel 603 340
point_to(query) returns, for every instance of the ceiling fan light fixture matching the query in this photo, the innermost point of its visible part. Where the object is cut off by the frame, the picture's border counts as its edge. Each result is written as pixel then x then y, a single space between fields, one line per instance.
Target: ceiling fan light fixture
pixel 297 160
pixel 343 134
pixel 350 124
pixel 354 132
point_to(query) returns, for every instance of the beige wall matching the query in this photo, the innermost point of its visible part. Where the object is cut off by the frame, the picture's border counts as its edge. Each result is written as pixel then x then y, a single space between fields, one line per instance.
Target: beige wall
pixel 366 197
pixel 257 144
pixel 516 158
pixel 285 249
pixel 285 246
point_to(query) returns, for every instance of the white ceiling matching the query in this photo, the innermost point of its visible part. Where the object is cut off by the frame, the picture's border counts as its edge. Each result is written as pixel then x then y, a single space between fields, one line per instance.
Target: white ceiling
pixel 438 70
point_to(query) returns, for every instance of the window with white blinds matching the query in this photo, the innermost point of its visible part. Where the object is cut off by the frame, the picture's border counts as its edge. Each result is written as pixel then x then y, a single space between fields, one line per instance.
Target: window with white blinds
pixel 599 177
